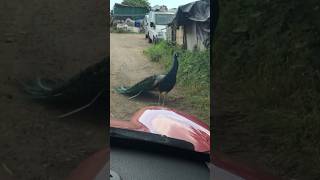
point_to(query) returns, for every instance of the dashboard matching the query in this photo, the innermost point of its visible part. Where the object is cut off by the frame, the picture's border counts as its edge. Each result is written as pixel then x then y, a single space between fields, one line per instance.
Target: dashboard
pixel 132 164
pixel 154 157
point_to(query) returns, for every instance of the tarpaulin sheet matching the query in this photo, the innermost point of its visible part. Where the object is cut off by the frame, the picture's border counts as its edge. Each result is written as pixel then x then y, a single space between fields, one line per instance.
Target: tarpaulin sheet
pixel 197 12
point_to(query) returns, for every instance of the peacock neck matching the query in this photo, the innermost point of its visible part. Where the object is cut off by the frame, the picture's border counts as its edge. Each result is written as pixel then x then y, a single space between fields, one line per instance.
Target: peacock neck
pixel 174 68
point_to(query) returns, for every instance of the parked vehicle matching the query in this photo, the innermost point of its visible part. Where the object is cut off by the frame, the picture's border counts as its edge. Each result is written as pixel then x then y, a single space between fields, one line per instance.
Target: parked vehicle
pixel 156 24
pixel 145 23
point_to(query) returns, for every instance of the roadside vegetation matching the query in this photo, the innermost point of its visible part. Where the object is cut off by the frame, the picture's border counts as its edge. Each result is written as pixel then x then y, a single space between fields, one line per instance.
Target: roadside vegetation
pixel 267 76
pixel 193 78
pixel 120 30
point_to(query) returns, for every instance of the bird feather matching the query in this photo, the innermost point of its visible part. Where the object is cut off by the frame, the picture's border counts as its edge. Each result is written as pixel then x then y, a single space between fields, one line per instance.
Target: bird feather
pixel 144 85
pixel 82 86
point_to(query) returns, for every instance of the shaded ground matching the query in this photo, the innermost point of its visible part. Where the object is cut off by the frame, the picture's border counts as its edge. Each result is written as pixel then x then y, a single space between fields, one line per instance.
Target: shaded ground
pixel 128 66
pixel 47 39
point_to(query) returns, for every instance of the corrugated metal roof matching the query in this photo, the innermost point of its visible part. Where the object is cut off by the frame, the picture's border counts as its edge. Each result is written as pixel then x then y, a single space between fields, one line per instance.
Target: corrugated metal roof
pixel 125 10
pixel 121 11
pixel 124 5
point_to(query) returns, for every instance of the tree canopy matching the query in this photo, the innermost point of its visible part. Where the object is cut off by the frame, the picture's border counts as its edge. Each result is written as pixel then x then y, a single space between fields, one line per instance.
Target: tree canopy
pixel 136 3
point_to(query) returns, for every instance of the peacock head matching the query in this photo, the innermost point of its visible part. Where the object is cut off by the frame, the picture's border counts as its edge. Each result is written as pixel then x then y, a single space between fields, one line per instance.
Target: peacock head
pixel 175 55
pixel 175 61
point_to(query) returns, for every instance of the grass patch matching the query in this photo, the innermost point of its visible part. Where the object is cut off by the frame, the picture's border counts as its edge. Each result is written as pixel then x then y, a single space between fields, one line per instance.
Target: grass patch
pixel 193 78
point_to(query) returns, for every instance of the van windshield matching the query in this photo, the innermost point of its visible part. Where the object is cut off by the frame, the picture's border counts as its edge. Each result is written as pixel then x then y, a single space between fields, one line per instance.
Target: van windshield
pixel 164 19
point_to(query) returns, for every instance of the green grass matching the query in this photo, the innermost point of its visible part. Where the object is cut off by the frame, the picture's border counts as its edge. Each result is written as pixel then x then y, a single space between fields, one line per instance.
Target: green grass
pixel 193 78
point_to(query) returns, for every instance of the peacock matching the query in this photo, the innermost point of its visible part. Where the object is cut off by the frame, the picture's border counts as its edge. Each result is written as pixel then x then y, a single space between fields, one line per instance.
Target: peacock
pixel 85 87
pixel 161 83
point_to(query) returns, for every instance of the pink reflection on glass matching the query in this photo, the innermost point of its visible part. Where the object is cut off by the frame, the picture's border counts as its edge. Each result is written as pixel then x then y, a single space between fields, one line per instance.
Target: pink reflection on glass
pixel 172 124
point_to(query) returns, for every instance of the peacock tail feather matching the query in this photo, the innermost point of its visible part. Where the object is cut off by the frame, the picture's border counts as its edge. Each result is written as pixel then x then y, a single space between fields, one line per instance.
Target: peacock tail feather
pixel 146 84
pixel 81 87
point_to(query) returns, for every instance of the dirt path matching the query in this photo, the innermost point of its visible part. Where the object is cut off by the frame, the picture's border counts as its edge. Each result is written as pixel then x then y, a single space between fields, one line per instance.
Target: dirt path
pixel 128 65
pixel 47 39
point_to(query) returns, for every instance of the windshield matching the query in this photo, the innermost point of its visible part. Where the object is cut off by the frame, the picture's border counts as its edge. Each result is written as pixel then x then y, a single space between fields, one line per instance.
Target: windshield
pixel 164 19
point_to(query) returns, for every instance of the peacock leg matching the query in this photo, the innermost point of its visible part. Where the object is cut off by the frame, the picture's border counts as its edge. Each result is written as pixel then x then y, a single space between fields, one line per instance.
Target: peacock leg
pixel 159 98
pixel 164 97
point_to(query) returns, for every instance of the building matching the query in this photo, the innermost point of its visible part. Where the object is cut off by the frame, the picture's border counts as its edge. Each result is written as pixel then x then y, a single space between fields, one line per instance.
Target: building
pixel 123 12
pixel 191 25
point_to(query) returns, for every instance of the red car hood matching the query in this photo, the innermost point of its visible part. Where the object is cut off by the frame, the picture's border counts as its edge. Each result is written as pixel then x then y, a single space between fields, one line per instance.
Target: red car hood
pixel 177 125
pixel 170 123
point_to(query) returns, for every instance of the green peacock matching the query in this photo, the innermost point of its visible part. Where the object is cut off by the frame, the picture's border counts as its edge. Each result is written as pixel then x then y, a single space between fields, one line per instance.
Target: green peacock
pixel 85 87
pixel 161 83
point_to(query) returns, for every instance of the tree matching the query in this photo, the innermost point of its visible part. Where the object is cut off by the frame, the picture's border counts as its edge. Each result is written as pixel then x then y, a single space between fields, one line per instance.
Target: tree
pixel 136 3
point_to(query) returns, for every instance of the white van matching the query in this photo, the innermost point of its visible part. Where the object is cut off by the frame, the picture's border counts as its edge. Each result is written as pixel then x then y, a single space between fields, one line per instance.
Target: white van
pixel 156 24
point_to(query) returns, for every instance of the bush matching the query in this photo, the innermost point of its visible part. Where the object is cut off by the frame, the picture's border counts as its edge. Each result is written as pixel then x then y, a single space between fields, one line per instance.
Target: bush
pixel 159 51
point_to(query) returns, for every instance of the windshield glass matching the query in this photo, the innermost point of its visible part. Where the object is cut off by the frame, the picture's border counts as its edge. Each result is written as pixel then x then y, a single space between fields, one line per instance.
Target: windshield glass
pixel 164 19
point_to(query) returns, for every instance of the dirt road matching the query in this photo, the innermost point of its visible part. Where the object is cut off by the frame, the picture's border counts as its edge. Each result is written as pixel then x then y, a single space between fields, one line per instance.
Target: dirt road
pixel 47 39
pixel 129 65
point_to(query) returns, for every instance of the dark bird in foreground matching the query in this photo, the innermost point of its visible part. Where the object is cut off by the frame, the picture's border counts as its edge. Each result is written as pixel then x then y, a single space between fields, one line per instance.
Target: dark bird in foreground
pixel 161 83
pixel 85 87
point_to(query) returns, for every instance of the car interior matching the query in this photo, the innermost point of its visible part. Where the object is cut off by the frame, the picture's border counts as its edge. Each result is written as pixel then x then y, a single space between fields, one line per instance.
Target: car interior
pixel 143 156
